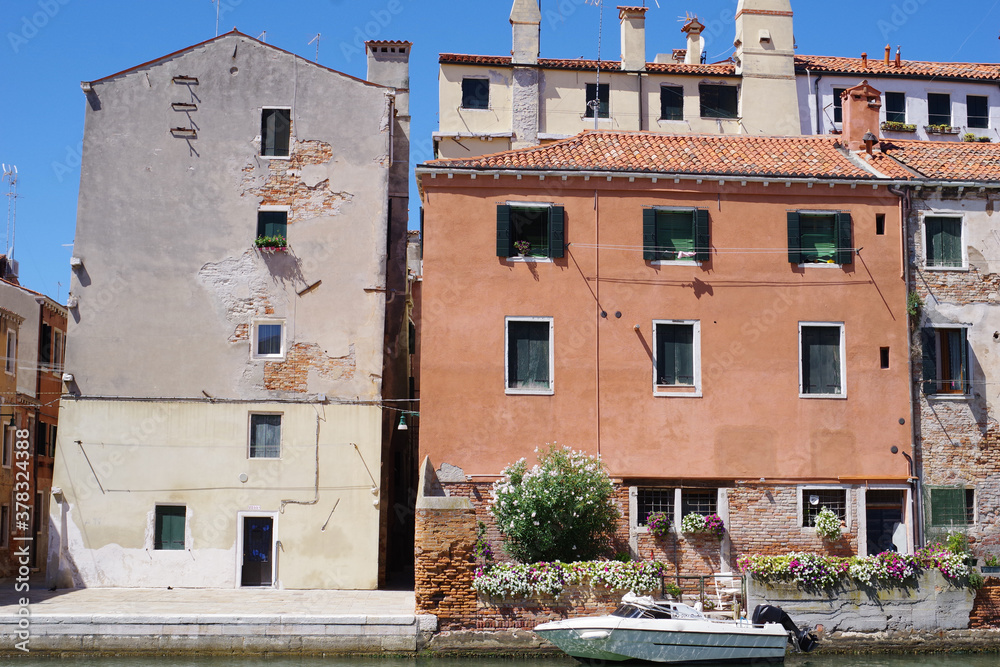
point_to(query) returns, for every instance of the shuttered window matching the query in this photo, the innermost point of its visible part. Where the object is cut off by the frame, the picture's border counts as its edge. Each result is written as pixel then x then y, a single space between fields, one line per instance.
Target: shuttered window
pixel 675 354
pixel 275 131
pixel 272 223
pixel 531 231
pixel 821 360
pixel 820 238
pixel 945 360
pixel 944 242
pixel 529 355
pixel 948 507
pixel 265 436
pixel 169 533
pixel 672 235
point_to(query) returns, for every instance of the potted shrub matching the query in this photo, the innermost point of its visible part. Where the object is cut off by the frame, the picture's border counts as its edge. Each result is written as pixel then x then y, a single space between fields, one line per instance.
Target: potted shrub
pixel 896 126
pixel 696 523
pixel 522 247
pixel 828 525
pixel 992 564
pixel 658 524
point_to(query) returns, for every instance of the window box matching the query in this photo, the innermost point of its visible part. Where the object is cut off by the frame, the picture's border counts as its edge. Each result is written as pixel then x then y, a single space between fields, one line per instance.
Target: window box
pixel 271 244
pixel 893 126
pixel 941 129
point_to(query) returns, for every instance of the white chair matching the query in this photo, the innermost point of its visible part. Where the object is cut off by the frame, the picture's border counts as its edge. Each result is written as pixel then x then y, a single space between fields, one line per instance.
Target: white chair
pixel 728 589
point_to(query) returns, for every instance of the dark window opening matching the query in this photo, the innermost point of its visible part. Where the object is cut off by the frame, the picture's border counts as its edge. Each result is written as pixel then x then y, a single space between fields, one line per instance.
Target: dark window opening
pixel 699 502
pixel 895 107
pixel 530 231
pixel 838 105
pixel 272 224
pixel 600 98
pixel 671 103
pixel 675 354
pixel 45 346
pixel 653 500
pixel 879 224
pixel 475 93
pixel 275 132
pixel 945 360
pixel 718 101
pixel 978 111
pixel 169 533
pixel 883 356
pixel 814 500
pixel 821 360
pixel 938 109
pixel 528 355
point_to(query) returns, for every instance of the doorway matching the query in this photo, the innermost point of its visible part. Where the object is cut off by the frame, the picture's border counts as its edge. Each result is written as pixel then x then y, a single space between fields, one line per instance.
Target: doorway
pixel 257 568
pixel 885 513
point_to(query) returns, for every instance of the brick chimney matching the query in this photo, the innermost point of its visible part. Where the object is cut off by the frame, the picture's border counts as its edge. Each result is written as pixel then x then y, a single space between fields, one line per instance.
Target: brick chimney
pixel 696 43
pixel 526 22
pixel 861 105
pixel 633 20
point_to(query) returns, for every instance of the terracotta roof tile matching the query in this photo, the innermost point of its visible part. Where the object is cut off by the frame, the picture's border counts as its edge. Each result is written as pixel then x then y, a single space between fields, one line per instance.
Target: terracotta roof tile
pixel 948 161
pixel 788 157
pixel 718 69
pixel 909 68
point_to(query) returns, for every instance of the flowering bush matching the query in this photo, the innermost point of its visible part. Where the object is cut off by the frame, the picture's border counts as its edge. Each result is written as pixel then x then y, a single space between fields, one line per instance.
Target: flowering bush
pixel 886 569
pixel 562 509
pixel 522 246
pixel 828 524
pixel 484 549
pixel 696 523
pixel 952 565
pixel 505 580
pixel 658 524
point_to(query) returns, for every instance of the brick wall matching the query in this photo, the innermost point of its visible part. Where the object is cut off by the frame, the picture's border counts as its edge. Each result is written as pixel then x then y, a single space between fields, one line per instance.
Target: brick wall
pixel 445 567
pixel 526 614
pixel 986 608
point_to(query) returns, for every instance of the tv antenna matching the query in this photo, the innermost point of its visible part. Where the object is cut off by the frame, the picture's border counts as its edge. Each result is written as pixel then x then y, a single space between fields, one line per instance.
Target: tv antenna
pixel 10 175
pixel 262 36
pixel 595 104
pixel 217 4
pixel 316 39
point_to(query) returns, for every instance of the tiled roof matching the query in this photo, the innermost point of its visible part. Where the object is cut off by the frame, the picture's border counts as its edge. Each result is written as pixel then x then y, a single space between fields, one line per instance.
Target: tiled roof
pixel 908 68
pixel 948 161
pixel 720 69
pixel 732 155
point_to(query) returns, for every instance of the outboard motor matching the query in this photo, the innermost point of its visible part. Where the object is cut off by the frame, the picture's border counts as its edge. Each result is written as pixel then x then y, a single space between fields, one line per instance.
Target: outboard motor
pixel 803 640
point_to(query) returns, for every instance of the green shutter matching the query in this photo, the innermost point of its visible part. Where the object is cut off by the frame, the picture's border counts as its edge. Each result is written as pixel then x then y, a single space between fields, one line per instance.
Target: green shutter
pixel 649 234
pixel 794 238
pixel 503 231
pixel 928 342
pixel 169 527
pixel 557 232
pixel 701 238
pixel 964 352
pixel 821 360
pixel 845 246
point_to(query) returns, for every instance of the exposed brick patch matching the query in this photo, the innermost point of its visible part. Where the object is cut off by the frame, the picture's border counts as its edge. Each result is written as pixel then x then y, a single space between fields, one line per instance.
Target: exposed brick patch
pixel 986 608
pixel 445 566
pixel 292 374
pixel 242 333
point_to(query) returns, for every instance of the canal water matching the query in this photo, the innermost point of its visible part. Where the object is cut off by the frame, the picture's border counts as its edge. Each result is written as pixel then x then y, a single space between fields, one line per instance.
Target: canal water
pixel 930 660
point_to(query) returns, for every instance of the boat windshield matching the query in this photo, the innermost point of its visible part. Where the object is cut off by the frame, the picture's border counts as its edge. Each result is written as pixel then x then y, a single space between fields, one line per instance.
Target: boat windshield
pixel 632 611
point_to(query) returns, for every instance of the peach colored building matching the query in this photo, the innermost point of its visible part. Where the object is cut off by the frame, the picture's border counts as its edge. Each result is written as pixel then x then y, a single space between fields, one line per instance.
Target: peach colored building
pixel 722 319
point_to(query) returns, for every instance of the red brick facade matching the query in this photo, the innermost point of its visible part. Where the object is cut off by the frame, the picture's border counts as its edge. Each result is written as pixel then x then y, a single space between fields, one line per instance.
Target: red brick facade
pixel 445 567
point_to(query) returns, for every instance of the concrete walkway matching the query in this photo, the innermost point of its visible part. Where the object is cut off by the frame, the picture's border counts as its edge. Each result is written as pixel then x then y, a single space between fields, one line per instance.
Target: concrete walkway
pixel 230 621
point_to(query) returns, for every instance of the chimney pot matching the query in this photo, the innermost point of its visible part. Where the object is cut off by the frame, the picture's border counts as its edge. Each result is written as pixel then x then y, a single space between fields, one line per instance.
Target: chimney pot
pixel 899 62
pixel 888 51
pixel 864 60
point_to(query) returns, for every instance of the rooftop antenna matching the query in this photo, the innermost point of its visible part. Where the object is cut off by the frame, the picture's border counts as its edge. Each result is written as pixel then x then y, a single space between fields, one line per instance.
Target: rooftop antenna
pixel 262 36
pixel 316 39
pixel 10 175
pixel 217 3
pixel 595 103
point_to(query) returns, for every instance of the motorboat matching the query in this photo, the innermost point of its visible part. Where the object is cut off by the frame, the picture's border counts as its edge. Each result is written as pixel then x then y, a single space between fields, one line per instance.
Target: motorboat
pixel 645 630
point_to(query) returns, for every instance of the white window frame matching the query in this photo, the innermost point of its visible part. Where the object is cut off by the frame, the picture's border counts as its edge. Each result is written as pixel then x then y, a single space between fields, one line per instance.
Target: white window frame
pixel 10 362
pixel 813 213
pixel 506 356
pixel 937 396
pixel 284 339
pixel 695 391
pixel 677 209
pixel 843 361
pixel 721 506
pixel 923 235
pixel 906 107
pixel 530 204
pixel 260 138
pixel 801 492
pixel 281 435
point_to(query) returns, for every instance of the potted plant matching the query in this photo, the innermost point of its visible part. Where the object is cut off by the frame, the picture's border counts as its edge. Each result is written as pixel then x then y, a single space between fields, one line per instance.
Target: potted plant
pixel 697 523
pixel 828 525
pixel 658 524
pixel 992 564
pixel 896 126
pixel 941 129
pixel 522 247
pixel 271 243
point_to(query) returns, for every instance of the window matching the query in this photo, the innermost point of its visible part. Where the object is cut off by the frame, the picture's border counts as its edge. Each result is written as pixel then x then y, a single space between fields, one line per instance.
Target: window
pixel 10 365
pixel 718 101
pixel 677 358
pixel 265 436
pixel 4 526
pixel 675 235
pixel 475 93
pixel 816 237
pixel 945 360
pixel 272 223
pixel 539 226
pixel 653 500
pixel 821 367
pixel 978 109
pixel 880 224
pixel 943 242
pixel 814 500
pixel 838 105
pixel 529 355
pixel 45 346
pixel 699 502
pixel 53 432
pixel 602 102
pixel 938 109
pixel 883 358
pixel 42 439
pixel 951 507
pixel 275 132
pixel 671 103
pixel 169 532
pixel 895 107
pixel 269 339
pixel 58 350
pixel 8 446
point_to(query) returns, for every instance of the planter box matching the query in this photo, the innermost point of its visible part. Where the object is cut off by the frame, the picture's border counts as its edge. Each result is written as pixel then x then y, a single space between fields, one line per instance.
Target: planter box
pixel 993 570
pixel 897 127
pixel 271 249
pixel 940 130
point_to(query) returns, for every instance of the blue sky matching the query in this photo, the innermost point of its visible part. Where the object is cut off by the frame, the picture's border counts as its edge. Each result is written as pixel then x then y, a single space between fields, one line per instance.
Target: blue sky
pixel 47 47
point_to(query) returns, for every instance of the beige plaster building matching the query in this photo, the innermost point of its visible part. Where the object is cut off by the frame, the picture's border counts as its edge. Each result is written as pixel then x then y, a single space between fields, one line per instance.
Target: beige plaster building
pixel 237 310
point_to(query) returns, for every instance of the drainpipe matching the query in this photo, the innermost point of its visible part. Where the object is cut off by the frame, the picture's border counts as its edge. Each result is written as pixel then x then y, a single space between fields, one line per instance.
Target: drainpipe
pixel 916 481
pixel 642 116
pixel 816 102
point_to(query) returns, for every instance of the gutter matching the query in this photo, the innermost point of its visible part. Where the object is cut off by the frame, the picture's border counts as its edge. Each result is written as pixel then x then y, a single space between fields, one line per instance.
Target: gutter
pixel 816 102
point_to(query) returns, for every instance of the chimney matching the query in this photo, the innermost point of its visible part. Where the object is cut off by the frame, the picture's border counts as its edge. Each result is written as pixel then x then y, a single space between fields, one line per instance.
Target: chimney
pixel 899 62
pixel 888 50
pixel 765 59
pixel 864 60
pixel 861 105
pixel 526 21
pixel 696 43
pixel 633 20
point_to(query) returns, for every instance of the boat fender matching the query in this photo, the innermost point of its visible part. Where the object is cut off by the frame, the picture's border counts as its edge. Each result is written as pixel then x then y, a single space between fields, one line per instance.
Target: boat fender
pixel 803 640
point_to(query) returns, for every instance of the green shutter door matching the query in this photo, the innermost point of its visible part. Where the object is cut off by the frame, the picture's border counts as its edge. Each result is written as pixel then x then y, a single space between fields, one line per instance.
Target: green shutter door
pixel 528 355
pixel 821 360
pixel 963 342
pixel 928 343
pixel 675 354
pixel 557 232
pixel 944 241
pixel 845 246
pixel 503 231
pixel 701 238
pixel 649 234
pixel 794 238
pixel 666 356
pixel 169 528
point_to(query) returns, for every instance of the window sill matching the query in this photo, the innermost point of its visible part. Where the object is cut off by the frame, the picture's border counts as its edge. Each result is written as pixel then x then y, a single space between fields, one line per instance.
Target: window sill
pixel 955 398
pixel 961 269
pixel 820 265
pixel 685 392
pixel 263 458
pixel 275 357
pixel 475 109
pixel 529 392
pixel 277 157
pixel 842 397
pixel 675 262
pixel 537 260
